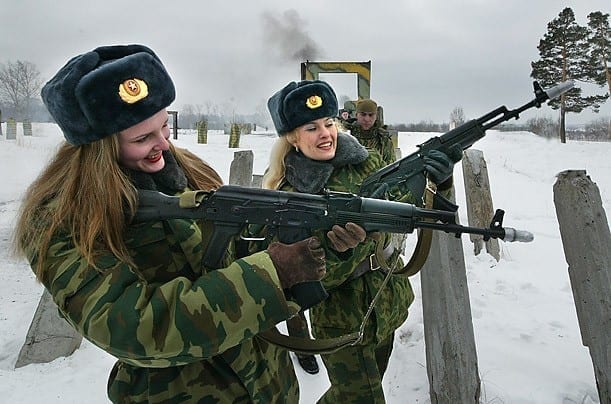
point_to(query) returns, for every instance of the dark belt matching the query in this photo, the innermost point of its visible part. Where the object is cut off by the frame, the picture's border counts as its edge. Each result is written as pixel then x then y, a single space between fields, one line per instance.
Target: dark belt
pixel 371 263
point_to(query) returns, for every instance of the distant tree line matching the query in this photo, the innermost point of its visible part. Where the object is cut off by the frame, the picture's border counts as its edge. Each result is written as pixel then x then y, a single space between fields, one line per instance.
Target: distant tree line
pixel 422 126
pixel 220 116
pixel 37 112
pixel 596 130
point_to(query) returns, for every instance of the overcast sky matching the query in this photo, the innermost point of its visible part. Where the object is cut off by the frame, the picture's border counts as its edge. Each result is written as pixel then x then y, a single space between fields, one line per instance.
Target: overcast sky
pixel 427 56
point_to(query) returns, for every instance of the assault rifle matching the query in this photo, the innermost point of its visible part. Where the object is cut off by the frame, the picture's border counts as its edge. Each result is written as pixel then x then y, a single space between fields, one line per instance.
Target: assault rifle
pixel 292 216
pixel 410 169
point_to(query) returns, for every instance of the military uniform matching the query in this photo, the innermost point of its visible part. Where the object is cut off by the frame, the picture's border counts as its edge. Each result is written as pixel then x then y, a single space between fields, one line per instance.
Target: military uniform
pixel 377 137
pixel 355 372
pixel 181 333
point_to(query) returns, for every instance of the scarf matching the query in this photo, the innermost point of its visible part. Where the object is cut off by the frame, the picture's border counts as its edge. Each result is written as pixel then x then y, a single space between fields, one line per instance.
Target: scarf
pixel 310 176
pixel 169 180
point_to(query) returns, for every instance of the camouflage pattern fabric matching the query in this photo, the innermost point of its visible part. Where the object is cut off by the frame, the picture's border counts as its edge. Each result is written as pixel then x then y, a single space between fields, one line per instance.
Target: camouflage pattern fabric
pixel 377 138
pixel 348 301
pixel 181 334
pixel 358 378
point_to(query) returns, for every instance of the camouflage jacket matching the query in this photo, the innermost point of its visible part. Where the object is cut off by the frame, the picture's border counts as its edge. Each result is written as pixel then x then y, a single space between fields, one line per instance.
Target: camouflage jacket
pixel 377 138
pixel 181 333
pixel 349 300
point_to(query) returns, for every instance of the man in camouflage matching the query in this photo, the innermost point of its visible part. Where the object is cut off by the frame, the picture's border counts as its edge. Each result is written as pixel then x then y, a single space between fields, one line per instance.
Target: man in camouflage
pixel 368 130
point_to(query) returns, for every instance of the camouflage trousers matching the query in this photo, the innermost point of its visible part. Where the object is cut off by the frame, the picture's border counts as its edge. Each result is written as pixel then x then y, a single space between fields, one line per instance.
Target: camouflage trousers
pixel 356 373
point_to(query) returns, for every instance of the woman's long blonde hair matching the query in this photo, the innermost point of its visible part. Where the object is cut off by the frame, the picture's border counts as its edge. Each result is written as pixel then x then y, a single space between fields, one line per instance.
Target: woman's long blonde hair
pixel 273 177
pixel 83 191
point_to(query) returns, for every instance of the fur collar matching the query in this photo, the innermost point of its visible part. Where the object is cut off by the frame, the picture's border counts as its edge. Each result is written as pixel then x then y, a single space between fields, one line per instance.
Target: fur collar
pixel 169 180
pixel 311 176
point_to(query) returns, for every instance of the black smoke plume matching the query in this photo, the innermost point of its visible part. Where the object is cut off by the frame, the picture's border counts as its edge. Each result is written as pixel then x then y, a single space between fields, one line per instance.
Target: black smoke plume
pixel 285 36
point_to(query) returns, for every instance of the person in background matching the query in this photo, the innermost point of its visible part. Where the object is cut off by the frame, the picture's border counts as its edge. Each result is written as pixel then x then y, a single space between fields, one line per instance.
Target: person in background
pixel 344 120
pixel 344 115
pixel 368 130
pixel 310 156
pixel 181 332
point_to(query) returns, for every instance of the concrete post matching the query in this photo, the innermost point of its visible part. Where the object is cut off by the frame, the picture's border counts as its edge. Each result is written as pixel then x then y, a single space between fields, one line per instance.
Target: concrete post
pixel 49 336
pixel 174 123
pixel 480 209
pixel 27 127
pixel 257 181
pixel 11 129
pixel 234 136
pixel 202 132
pixel 240 171
pixel 587 247
pixel 451 356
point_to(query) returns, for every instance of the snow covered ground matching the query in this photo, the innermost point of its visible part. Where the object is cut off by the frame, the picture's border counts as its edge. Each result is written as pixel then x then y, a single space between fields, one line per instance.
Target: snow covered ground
pixel 527 336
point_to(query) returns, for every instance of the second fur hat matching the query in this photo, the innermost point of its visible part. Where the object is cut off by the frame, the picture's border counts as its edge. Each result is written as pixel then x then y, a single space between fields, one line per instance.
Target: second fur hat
pixel 302 102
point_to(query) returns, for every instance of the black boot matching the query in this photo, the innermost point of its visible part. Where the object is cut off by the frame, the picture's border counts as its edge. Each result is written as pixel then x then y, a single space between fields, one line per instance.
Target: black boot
pixel 308 363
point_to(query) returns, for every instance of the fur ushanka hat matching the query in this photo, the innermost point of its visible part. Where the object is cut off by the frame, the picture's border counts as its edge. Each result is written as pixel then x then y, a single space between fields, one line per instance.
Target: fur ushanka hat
pixel 299 103
pixel 107 90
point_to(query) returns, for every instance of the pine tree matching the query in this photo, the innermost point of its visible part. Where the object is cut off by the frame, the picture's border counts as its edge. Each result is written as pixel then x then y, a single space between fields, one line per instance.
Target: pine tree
pixel 599 56
pixel 563 51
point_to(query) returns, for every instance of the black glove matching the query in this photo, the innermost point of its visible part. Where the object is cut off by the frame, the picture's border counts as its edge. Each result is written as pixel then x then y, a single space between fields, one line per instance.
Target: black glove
pixel 347 237
pixel 303 261
pixel 440 166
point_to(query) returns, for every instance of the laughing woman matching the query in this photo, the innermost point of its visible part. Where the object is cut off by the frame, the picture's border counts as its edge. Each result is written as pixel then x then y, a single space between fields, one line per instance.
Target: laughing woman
pixel 311 156
pixel 181 332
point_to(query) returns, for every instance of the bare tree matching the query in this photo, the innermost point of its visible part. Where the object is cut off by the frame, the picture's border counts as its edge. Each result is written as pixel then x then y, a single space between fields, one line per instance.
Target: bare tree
pixel 457 117
pixel 211 108
pixel 19 83
pixel 261 115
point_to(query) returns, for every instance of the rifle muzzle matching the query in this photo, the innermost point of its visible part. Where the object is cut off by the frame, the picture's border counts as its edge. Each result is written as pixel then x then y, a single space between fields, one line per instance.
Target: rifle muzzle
pixel 512 234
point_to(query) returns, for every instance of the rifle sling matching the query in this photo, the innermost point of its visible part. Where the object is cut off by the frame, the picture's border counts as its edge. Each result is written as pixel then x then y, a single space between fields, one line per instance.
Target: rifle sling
pixel 309 346
pixel 423 246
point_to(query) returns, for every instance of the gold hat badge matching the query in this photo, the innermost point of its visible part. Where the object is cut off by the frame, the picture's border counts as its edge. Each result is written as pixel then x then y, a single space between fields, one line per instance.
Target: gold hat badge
pixel 314 102
pixel 132 90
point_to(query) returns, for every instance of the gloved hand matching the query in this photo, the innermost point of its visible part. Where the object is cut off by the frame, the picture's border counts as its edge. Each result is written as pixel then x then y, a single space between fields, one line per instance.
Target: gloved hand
pixel 303 261
pixel 440 166
pixel 347 237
